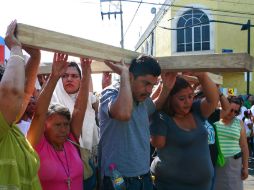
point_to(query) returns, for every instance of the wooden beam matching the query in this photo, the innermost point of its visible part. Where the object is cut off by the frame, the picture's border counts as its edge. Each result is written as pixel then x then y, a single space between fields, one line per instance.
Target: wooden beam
pixel 54 41
pixel 233 62
pixel 58 42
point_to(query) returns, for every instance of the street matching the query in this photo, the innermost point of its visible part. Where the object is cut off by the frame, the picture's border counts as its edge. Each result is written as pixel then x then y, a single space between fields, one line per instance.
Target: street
pixel 249 183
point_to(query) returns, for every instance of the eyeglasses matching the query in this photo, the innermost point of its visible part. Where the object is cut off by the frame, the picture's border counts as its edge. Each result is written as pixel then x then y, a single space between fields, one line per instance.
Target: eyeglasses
pixel 234 111
pixel 74 76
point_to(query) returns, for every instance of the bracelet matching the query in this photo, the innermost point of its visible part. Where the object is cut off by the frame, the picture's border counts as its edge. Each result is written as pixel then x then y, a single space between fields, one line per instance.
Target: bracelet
pixel 18 56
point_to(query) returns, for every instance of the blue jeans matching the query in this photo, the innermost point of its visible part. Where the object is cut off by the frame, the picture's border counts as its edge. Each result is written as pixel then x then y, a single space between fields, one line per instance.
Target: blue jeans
pixel 132 183
pixel 213 180
pixel 90 183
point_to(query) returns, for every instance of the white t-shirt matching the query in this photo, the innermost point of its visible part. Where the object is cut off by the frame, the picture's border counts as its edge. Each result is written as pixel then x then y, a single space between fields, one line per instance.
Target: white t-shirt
pixel 24 126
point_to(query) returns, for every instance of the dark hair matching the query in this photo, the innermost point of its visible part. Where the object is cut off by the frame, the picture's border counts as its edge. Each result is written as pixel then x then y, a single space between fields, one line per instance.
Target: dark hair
pixel 235 100
pixel 240 97
pixel 247 113
pixel 145 65
pixel 180 84
pixel 74 64
pixel 2 68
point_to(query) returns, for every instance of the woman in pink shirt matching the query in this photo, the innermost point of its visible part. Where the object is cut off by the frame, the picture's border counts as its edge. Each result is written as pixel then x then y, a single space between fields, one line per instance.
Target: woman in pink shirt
pixel 53 128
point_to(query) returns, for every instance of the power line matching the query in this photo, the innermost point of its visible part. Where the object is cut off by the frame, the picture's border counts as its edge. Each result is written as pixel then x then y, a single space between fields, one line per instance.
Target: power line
pixel 133 18
pixel 232 2
pixel 203 23
pixel 181 28
pixel 215 14
pixel 192 7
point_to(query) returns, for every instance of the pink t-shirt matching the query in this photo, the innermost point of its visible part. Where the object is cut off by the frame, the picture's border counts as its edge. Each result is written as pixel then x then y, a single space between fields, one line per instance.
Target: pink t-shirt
pixel 53 172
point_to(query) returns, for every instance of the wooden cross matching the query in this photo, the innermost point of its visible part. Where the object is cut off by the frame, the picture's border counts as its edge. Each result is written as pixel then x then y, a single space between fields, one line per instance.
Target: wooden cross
pixel 58 42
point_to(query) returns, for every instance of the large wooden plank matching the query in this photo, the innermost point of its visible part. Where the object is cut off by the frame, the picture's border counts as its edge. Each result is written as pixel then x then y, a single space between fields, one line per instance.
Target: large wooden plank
pixel 54 41
pixel 45 68
pixel 97 67
pixel 208 62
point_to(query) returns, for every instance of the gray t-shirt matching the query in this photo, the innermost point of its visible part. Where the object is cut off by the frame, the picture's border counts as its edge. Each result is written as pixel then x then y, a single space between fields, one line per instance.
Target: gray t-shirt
pixel 127 143
pixel 184 162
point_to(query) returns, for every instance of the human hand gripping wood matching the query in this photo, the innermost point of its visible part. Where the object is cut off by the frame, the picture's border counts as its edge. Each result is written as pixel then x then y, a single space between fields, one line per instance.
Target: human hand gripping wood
pixel 211 96
pixel 10 38
pixel 160 95
pixel 168 79
pixel 117 67
pixel 199 75
pixel 86 66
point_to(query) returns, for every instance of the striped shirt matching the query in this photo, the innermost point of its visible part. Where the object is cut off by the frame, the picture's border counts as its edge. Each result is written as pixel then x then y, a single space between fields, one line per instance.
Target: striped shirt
pixel 229 136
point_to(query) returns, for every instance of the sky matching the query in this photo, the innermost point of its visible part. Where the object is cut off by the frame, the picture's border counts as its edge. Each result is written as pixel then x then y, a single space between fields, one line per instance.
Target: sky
pixel 81 18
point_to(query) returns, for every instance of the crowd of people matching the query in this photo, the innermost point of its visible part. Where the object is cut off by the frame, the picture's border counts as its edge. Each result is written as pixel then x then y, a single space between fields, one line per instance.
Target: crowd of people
pixel 64 137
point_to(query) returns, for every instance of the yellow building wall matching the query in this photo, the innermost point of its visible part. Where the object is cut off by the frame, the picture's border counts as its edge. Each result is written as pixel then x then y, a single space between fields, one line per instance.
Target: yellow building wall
pixel 224 36
pixel 163 37
pixel 236 80
pixel 228 36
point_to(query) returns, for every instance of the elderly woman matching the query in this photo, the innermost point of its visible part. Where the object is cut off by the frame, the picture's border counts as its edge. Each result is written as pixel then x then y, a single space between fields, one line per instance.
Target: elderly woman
pixel 19 163
pixel 53 129
pixel 233 144
pixel 65 93
pixel 178 132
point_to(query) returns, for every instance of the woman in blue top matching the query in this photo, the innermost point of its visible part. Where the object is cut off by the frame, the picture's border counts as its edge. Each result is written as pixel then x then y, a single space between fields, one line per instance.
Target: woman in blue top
pixel 178 132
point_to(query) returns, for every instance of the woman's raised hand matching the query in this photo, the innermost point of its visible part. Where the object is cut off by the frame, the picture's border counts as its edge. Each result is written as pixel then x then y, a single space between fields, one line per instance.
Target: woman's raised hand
pixel 168 79
pixel 86 66
pixel 60 64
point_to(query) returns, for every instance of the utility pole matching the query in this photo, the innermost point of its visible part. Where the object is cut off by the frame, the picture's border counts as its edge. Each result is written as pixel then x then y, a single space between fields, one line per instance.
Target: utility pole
pixel 121 18
pixel 247 27
pixel 118 10
pixel 117 4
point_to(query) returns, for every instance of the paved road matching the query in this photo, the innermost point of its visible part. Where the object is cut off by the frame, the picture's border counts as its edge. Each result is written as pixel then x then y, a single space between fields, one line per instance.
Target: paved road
pixel 249 183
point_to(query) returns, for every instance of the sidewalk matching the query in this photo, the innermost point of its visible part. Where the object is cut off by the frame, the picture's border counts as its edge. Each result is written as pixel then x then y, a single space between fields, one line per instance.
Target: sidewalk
pixel 249 183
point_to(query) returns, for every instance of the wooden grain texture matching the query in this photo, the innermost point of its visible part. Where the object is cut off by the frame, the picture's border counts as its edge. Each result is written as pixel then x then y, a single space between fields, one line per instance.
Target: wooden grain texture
pixel 208 62
pixel 54 41
pixel 75 46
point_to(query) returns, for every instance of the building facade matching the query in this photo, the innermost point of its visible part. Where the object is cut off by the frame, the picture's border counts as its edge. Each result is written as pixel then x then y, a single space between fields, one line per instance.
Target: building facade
pixel 183 27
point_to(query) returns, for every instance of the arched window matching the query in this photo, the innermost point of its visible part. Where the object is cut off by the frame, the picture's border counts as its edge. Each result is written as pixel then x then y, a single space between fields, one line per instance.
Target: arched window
pixel 196 33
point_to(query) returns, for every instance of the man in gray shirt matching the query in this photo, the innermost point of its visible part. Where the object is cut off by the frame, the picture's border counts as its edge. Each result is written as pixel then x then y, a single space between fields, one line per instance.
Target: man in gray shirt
pixel 124 121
